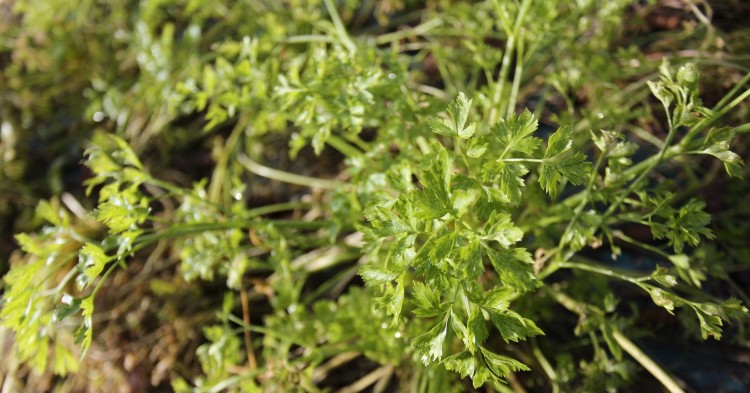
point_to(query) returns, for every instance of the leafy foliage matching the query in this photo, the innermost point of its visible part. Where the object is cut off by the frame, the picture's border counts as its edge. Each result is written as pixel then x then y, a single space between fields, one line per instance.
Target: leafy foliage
pixel 261 158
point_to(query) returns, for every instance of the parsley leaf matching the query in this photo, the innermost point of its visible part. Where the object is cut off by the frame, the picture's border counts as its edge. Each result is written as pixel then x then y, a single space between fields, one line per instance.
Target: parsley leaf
pixel 560 163
pixel 430 345
pixel 515 268
pixel 514 134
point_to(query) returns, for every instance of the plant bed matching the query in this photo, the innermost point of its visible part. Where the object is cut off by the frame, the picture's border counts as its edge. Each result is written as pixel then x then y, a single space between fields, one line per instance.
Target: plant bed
pixel 386 196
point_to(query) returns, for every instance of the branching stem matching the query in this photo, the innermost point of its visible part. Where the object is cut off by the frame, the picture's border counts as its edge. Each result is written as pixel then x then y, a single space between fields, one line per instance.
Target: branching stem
pixel 286 177
pixel 649 364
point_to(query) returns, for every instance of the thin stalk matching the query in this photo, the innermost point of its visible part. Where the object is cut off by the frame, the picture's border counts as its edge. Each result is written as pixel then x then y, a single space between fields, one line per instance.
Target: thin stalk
pixel 461 154
pixel 644 360
pixel 734 91
pixel 541 103
pixel 433 91
pixel 308 38
pixel 172 189
pixel 219 176
pixel 500 83
pixel 651 166
pixel 103 278
pixel 58 289
pixel 274 208
pixel 514 383
pixel 252 363
pixel 322 371
pixel 738 289
pixel 369 379
pixel 340 29
pixel 604 271
pixel 715 116
pixel 286 177
pixel 584 200
pixel 647 136
pixel 188 229
pixel 649 364
pixel 257 328
pixel 546 366
pixel 357 141
pixel 537 160
pixel 631 171
pixel 502 388
pixel 495 109
pixel 406 33
pixel 566 301
pixel 647 247
pixel 518 72
pixel 343 146
pixel 301 224
pixel 184 230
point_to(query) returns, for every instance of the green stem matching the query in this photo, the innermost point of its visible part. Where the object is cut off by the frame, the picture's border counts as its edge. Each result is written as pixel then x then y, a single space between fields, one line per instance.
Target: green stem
pixel 103 278
pixel 308 38
pixel 58 289
pixel 340 29
pixel 358 142
pixel 566 301
pixel 516 76
pixel 546 366
pixel 652 164
pixel 461 154
pixel 604 271
pixel 219 176
pixel 286 177
pixel 700 126
pixel 172 189
pixel 584 200
pixel 627 345
pixel 495 104
pixel 537 160
pixel 734 91
pixel 647 247
pixel 406 33
pixel 274 208
pixel 649 364
pixel 300 224
pixel 189 229
pixel 343 146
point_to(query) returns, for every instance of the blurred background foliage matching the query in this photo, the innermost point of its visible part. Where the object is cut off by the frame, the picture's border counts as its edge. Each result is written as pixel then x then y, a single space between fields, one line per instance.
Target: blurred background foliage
pixel 193 85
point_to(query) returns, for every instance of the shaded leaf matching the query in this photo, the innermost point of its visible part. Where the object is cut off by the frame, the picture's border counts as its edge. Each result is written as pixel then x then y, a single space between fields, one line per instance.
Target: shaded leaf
pixel 373 275
pixel 500 365
pixel 462 363
pixel 427 301
pixel 499 228
pixel 512 326
pixel 69 307
pixel 514 266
